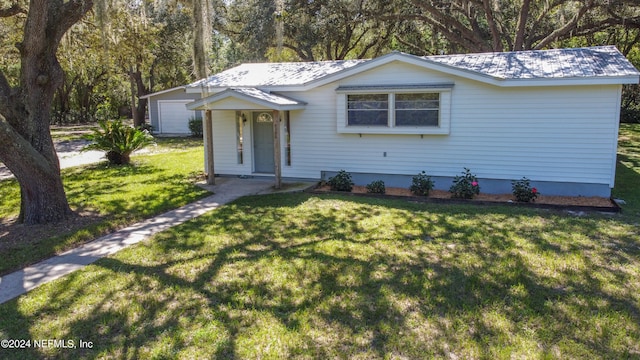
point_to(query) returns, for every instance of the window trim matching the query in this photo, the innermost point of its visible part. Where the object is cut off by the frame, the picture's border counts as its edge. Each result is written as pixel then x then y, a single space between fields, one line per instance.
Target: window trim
pixel 444 111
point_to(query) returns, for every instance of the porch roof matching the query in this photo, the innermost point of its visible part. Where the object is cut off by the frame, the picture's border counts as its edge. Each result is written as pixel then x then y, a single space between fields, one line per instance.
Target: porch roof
pixel 246 99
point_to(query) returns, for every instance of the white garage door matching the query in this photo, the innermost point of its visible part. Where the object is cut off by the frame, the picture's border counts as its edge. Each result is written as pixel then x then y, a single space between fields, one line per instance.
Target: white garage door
pixel 174 116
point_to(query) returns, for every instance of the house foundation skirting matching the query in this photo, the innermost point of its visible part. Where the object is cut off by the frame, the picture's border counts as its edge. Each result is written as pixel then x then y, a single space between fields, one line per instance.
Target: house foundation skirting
pixel 488 186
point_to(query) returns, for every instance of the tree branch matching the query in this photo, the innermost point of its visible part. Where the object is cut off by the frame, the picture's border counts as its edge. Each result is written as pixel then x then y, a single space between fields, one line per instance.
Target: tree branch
pixel 303 56
pixel 15 9
pixel 71 12
pixel 449 25
pixel 417 49
pixel 13 142
pixel 472 45
pixel 564 29
pixel 522 24
pixel 495 33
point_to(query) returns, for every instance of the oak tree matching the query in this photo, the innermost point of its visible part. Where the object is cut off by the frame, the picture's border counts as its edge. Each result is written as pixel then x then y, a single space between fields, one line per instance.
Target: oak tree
pixel 25 109
pixel 499 25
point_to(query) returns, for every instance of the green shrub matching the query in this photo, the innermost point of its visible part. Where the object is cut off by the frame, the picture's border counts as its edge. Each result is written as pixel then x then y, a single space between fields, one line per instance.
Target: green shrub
pixel 195 126
pixel 523 191
pixel 465 186
pixel 421 184
pixel 341 182
pixel 376 187
pixel 118 141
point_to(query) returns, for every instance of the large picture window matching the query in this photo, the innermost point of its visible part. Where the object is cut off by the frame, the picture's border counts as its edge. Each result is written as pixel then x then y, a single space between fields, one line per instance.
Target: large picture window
pixel 368 110
pixel 422 109
pixel 408 109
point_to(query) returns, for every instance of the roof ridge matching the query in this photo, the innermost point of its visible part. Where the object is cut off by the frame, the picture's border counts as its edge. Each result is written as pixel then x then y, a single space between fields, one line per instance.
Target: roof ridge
pixel 301 62
pixel 522 51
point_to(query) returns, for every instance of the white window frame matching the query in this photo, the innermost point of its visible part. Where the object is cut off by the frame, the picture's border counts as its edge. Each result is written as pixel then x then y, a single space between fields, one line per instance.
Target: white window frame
pixel 444 113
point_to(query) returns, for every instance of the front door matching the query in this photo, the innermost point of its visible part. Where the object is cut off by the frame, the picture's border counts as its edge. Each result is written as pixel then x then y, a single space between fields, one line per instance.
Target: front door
pixel 263 143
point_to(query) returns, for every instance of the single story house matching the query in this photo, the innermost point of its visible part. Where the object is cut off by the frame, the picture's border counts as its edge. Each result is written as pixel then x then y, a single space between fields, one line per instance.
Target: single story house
pixel 551 116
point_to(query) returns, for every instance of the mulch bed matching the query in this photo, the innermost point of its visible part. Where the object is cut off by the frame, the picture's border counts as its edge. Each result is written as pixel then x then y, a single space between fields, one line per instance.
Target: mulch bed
pixel 572 203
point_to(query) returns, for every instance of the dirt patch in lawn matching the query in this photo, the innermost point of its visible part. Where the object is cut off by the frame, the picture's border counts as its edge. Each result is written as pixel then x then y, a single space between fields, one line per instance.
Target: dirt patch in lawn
pixel 14 235
pixel 596 203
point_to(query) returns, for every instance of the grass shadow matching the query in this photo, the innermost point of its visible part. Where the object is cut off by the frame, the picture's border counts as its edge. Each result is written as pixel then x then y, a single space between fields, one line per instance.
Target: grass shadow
pixel 328 276
pixel 108 197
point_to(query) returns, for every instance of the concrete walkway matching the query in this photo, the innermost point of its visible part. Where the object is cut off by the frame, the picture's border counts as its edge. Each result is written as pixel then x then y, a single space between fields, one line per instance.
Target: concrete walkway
pixel 69 154
pixel 226 190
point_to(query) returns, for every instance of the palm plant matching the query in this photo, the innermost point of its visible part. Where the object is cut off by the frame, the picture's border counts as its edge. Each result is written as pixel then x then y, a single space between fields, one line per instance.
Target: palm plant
pixel 118 141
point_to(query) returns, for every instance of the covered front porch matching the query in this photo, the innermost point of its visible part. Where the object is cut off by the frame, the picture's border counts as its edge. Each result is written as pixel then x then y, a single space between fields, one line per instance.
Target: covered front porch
pixel 259 131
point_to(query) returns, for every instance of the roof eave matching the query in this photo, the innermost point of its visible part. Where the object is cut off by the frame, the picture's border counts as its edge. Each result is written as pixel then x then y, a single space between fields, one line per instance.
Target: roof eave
pixel 162 92
pixel 573 81
pixel 205 103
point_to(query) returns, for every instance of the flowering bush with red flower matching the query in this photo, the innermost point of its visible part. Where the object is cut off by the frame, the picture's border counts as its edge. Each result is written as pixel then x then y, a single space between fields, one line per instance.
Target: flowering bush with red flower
pixel 523 191
pixel 465 186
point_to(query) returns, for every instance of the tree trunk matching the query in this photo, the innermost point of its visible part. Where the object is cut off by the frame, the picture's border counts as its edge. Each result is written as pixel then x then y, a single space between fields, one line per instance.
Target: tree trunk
pixel 522 25
pixel 134 108
pixel 43 200
pixel 200 37
pixel 42 195
pixel 137 90
pixel 25 112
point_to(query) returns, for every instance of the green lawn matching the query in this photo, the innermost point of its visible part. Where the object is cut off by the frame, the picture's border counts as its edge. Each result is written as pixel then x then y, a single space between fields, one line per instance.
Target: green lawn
pixel 327 276
pixel 628 169
pixel 110 197
pixel 308 276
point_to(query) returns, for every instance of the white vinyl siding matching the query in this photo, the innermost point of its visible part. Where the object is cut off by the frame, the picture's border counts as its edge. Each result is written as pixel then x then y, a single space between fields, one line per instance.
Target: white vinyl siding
pixel 226 146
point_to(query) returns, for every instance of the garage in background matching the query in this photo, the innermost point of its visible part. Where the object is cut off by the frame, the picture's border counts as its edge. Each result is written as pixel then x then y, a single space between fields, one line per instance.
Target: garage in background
pixel 168 114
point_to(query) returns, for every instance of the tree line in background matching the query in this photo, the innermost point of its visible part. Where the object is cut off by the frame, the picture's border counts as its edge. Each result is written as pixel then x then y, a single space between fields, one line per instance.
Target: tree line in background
pixel 128 48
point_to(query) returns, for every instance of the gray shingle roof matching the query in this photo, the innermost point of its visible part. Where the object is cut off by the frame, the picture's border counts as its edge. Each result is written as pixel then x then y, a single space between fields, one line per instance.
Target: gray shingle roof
pixel 601 61
pixel 593 62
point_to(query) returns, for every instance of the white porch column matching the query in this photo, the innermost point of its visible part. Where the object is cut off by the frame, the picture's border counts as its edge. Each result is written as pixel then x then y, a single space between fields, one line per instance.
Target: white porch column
pixel 208 146
pixel 276 149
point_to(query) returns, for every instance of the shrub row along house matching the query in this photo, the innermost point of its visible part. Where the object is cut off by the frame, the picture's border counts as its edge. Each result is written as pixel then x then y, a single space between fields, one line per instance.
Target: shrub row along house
pixel 551 116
